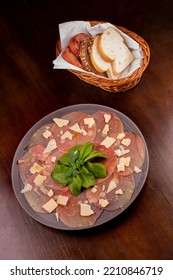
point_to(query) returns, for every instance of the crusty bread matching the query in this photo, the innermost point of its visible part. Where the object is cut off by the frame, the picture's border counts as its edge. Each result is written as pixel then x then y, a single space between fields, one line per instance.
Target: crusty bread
pixel 109 40
pixel 98 62
pixel 123 58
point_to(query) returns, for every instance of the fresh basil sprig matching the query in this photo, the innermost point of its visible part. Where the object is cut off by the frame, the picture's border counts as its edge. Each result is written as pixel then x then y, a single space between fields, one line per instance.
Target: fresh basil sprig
pixel 78 169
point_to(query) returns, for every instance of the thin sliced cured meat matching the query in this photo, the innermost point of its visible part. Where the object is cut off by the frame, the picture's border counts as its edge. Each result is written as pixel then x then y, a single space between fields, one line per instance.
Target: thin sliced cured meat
pixel 120 197
pixel 38 195
pixel 136 153
pixel 108 124
pixel 70 214
pixel 110 162
pixel 25 164
pixel 37 152
pixel 99 191
pixel 42 135
pixel 115 191
pixel 76 132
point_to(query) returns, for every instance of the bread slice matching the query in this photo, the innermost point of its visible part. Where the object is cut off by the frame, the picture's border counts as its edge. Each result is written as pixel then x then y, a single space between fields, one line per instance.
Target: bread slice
pixel 123 58
pixel 98 62
pixel 109 40
pixel 110 73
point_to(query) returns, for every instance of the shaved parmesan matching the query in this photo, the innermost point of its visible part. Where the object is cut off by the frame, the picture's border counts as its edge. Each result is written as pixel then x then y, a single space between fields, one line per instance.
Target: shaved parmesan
pixel 94 189
pixel 105 129
pixel 76 128
pixel 89 121
pixel 50 193
pixel 118 152
pixel 107 117
pixel 83 132
pixel 62 200
pixel 53 159
pixel 85 210
pixel 50 146
pixel 50 206
pixel 120 167
pixel 36 168
pixel 67 135
pixel 27 188
pixel 125 161
pixel 126 142
pixel 61 122
pixel 108 141
pixel 39 179
pixel 103 202
pixel 137 169
pixel 120 136
pixel 112 185
pixel 57 216
pixel 120 192
pixel 47 134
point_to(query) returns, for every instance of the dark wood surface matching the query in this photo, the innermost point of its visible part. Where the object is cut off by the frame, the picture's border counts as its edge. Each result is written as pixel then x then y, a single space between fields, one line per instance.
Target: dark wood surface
pixel 31 89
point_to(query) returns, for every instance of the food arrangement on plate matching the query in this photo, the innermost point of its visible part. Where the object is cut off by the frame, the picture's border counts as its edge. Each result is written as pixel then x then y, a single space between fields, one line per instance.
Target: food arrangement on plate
pixel 81 165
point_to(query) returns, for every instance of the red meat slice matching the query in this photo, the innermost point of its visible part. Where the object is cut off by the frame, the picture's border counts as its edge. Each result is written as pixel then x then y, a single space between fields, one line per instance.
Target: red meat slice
pixel 115 125
pixel 110 162
pixel 118 197
pixel 126 186
pixel 38 136
pixel 136 153
pixel 78 138
pixel 70 214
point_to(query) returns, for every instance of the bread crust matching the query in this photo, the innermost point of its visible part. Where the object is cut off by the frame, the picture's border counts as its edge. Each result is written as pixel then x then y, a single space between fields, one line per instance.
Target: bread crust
pixel 98 62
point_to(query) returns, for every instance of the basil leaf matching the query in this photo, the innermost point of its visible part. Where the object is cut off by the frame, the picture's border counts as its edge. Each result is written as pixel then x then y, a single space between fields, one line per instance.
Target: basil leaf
pixel 95 154
pixel 64 160
pixel 75 186
pixel 86 150
pixel 59 174
pixel 98 169
pixel 75 170
pixel 87 177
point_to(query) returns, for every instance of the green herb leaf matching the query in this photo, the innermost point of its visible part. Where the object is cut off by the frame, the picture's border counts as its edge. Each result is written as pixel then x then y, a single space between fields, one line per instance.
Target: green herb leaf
pixel 94 154
pixel 98 169
pixel 75 170
pixel 59 174
pixel 87 178
pixel 75 185
pixel 86 150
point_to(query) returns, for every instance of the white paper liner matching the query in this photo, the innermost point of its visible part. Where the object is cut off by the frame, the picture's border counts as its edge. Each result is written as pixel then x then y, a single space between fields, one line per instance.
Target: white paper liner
pixel 69 29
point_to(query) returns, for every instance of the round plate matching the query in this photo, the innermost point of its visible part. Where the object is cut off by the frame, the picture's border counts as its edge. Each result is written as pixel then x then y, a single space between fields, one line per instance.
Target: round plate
pixel 50 219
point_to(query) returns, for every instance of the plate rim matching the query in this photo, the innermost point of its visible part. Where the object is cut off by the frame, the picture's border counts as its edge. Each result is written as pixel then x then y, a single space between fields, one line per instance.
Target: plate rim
pixel 39 217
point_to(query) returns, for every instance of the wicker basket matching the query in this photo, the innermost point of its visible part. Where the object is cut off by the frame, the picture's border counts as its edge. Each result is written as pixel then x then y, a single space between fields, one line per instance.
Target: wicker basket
pixel 119 85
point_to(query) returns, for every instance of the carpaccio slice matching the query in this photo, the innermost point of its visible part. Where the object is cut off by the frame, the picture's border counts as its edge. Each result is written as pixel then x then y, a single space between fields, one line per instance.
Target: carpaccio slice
pixel 108 124
pixel 42 135
pixel 110 193
pixel 70 214
pixel 136 153
pixel 110 162
pixel 115 192
pixel 80 129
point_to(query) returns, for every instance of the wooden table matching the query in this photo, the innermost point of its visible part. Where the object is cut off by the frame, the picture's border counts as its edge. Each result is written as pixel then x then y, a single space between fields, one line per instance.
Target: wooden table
pixel 30 89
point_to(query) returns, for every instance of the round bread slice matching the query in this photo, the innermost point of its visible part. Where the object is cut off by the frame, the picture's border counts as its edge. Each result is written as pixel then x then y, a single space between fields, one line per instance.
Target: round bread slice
pixel 84 55
pixel 98 62
pixel 108 42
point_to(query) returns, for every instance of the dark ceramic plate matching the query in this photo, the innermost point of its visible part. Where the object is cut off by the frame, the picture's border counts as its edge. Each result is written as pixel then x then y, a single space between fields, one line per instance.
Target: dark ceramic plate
pixel 50 219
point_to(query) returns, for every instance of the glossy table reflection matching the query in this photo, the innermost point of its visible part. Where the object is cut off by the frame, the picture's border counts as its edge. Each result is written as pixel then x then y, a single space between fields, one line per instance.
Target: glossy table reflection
pixel 31 89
